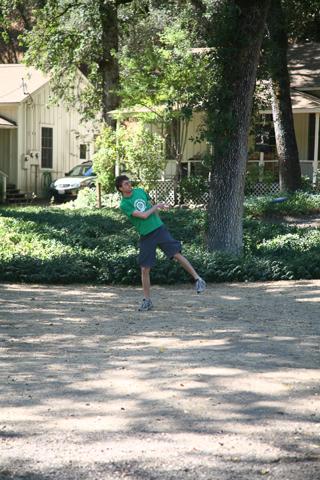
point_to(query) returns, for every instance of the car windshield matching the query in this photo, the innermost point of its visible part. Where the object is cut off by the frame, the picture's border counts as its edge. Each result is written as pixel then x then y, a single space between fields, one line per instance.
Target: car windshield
pixel 80 170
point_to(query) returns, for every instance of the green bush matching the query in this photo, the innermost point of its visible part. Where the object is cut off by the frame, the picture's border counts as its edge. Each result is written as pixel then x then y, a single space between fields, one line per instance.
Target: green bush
pixel 256 173
pixel 191 188
pixel 298 203
pixel 64 246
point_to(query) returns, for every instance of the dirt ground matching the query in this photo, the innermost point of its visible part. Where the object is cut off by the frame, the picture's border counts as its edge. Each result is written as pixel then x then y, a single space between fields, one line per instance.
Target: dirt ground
pixel 222 385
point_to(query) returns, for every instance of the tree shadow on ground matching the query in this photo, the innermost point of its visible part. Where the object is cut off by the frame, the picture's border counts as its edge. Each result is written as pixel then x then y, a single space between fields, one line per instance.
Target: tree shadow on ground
pixel 240 359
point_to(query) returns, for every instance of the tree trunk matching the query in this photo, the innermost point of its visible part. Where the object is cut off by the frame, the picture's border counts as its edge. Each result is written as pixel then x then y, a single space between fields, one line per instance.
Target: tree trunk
pixel 289 166
pixel 175 183
pixel 109 65
pixel 240 54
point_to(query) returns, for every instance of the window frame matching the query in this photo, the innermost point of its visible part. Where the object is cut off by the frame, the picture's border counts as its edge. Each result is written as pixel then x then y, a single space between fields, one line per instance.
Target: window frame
pixel 311 136
pixel 83 146
pixel 48 127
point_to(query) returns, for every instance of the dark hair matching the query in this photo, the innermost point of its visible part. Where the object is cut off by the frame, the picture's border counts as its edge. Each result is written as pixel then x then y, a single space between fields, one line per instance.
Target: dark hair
pixel 119 180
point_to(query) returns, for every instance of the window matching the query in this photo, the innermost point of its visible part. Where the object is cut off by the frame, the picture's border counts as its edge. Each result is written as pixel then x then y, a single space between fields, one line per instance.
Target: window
pixel 46 147
pixel 311 136
pixel 193 168
pixel 265 139
pixel 83 152
pixel 81 170
pixel 184 169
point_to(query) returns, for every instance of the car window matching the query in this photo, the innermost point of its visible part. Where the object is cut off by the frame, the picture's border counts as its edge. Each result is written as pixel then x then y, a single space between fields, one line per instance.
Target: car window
pixel 76 171
pixel 79 170
pixel 90 172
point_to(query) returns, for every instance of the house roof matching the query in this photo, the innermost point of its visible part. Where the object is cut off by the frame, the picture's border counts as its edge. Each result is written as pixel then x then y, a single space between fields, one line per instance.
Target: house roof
pixel 5 123
pixel 302 100
pixel 304 65
pixel 304 71
pixel 12 78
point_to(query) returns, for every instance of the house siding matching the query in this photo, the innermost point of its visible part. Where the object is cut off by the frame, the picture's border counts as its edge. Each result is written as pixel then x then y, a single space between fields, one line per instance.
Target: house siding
pixel 10 112
pixel 31 116
pixel 301 127
pixel 191 149
pixel 301 124
pixel 8 151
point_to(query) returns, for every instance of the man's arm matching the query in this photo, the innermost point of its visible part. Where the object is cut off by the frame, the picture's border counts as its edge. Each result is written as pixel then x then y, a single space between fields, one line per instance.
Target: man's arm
pixel 147 213
pixel 156 212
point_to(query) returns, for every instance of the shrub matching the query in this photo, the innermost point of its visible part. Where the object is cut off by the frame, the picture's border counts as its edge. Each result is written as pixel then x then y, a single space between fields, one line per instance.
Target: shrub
pixel 51 245
pixel 191 188
pixel 298 203
pixel 136 149
pixel 256 173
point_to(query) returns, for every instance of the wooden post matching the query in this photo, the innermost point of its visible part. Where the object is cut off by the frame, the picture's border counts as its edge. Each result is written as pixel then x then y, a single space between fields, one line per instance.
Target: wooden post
pixel 2 189
pixel 99 194
pixel 316 150
pixel 3 186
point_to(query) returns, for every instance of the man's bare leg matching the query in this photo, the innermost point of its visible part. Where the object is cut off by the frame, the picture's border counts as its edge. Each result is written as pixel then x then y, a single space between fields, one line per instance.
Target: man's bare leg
pixel 200 283
pixel 186 265
pixel 145 277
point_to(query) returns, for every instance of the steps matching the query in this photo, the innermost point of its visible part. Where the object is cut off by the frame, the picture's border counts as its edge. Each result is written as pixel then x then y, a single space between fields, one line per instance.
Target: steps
pixel 13 195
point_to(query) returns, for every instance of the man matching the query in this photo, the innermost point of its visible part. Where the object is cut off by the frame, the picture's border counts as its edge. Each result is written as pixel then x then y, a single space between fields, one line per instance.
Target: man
pixel 137 206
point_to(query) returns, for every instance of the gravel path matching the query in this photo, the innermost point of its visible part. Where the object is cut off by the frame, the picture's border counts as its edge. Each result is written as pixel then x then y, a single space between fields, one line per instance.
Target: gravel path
pixel 222 385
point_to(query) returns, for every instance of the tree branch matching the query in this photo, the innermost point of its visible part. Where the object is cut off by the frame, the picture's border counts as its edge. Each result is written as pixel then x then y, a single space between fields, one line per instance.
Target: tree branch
pixel 71 5
pixel 123 2
pixel 199 5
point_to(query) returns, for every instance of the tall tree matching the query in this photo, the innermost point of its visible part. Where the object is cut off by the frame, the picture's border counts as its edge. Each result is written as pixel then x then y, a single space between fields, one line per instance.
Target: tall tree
pixel 15 18
pixel 160 76
pixel 289 165
pixel 80 34
pixel 302 19
pixel 234 35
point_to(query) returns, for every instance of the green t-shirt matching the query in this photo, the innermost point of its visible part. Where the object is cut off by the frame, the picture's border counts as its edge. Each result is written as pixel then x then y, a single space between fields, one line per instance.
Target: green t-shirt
pixel 139 201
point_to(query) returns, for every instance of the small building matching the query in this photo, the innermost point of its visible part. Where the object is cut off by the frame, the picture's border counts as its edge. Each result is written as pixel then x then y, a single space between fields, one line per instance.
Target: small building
pixel 39 142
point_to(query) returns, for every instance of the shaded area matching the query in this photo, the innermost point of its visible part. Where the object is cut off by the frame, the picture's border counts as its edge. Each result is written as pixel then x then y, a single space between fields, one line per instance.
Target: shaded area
pixel 226 383
pixel 89 246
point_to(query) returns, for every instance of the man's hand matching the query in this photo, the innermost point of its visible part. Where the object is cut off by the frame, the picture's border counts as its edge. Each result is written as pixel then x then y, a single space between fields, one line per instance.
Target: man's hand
pixel 147 213
pixel 162 205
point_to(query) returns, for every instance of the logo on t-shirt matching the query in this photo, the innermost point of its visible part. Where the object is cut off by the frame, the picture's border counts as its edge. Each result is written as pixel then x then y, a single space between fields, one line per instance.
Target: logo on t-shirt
pixel 140 205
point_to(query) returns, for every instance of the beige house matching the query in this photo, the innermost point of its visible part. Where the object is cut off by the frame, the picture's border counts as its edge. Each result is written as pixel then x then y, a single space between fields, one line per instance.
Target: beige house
pixel 38 143
pixel 191 153
pixel 304 70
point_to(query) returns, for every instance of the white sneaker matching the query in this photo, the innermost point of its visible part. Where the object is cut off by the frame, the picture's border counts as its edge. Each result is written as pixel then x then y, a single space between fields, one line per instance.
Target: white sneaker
pixel 201 285
pixel 146 305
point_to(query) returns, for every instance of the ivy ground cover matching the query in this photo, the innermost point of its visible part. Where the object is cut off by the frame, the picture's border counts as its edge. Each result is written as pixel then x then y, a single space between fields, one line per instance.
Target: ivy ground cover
pixel 50 245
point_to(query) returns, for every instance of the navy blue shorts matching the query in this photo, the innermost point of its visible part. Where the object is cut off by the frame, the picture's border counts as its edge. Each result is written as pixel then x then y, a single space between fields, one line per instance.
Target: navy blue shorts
pixel 158 238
